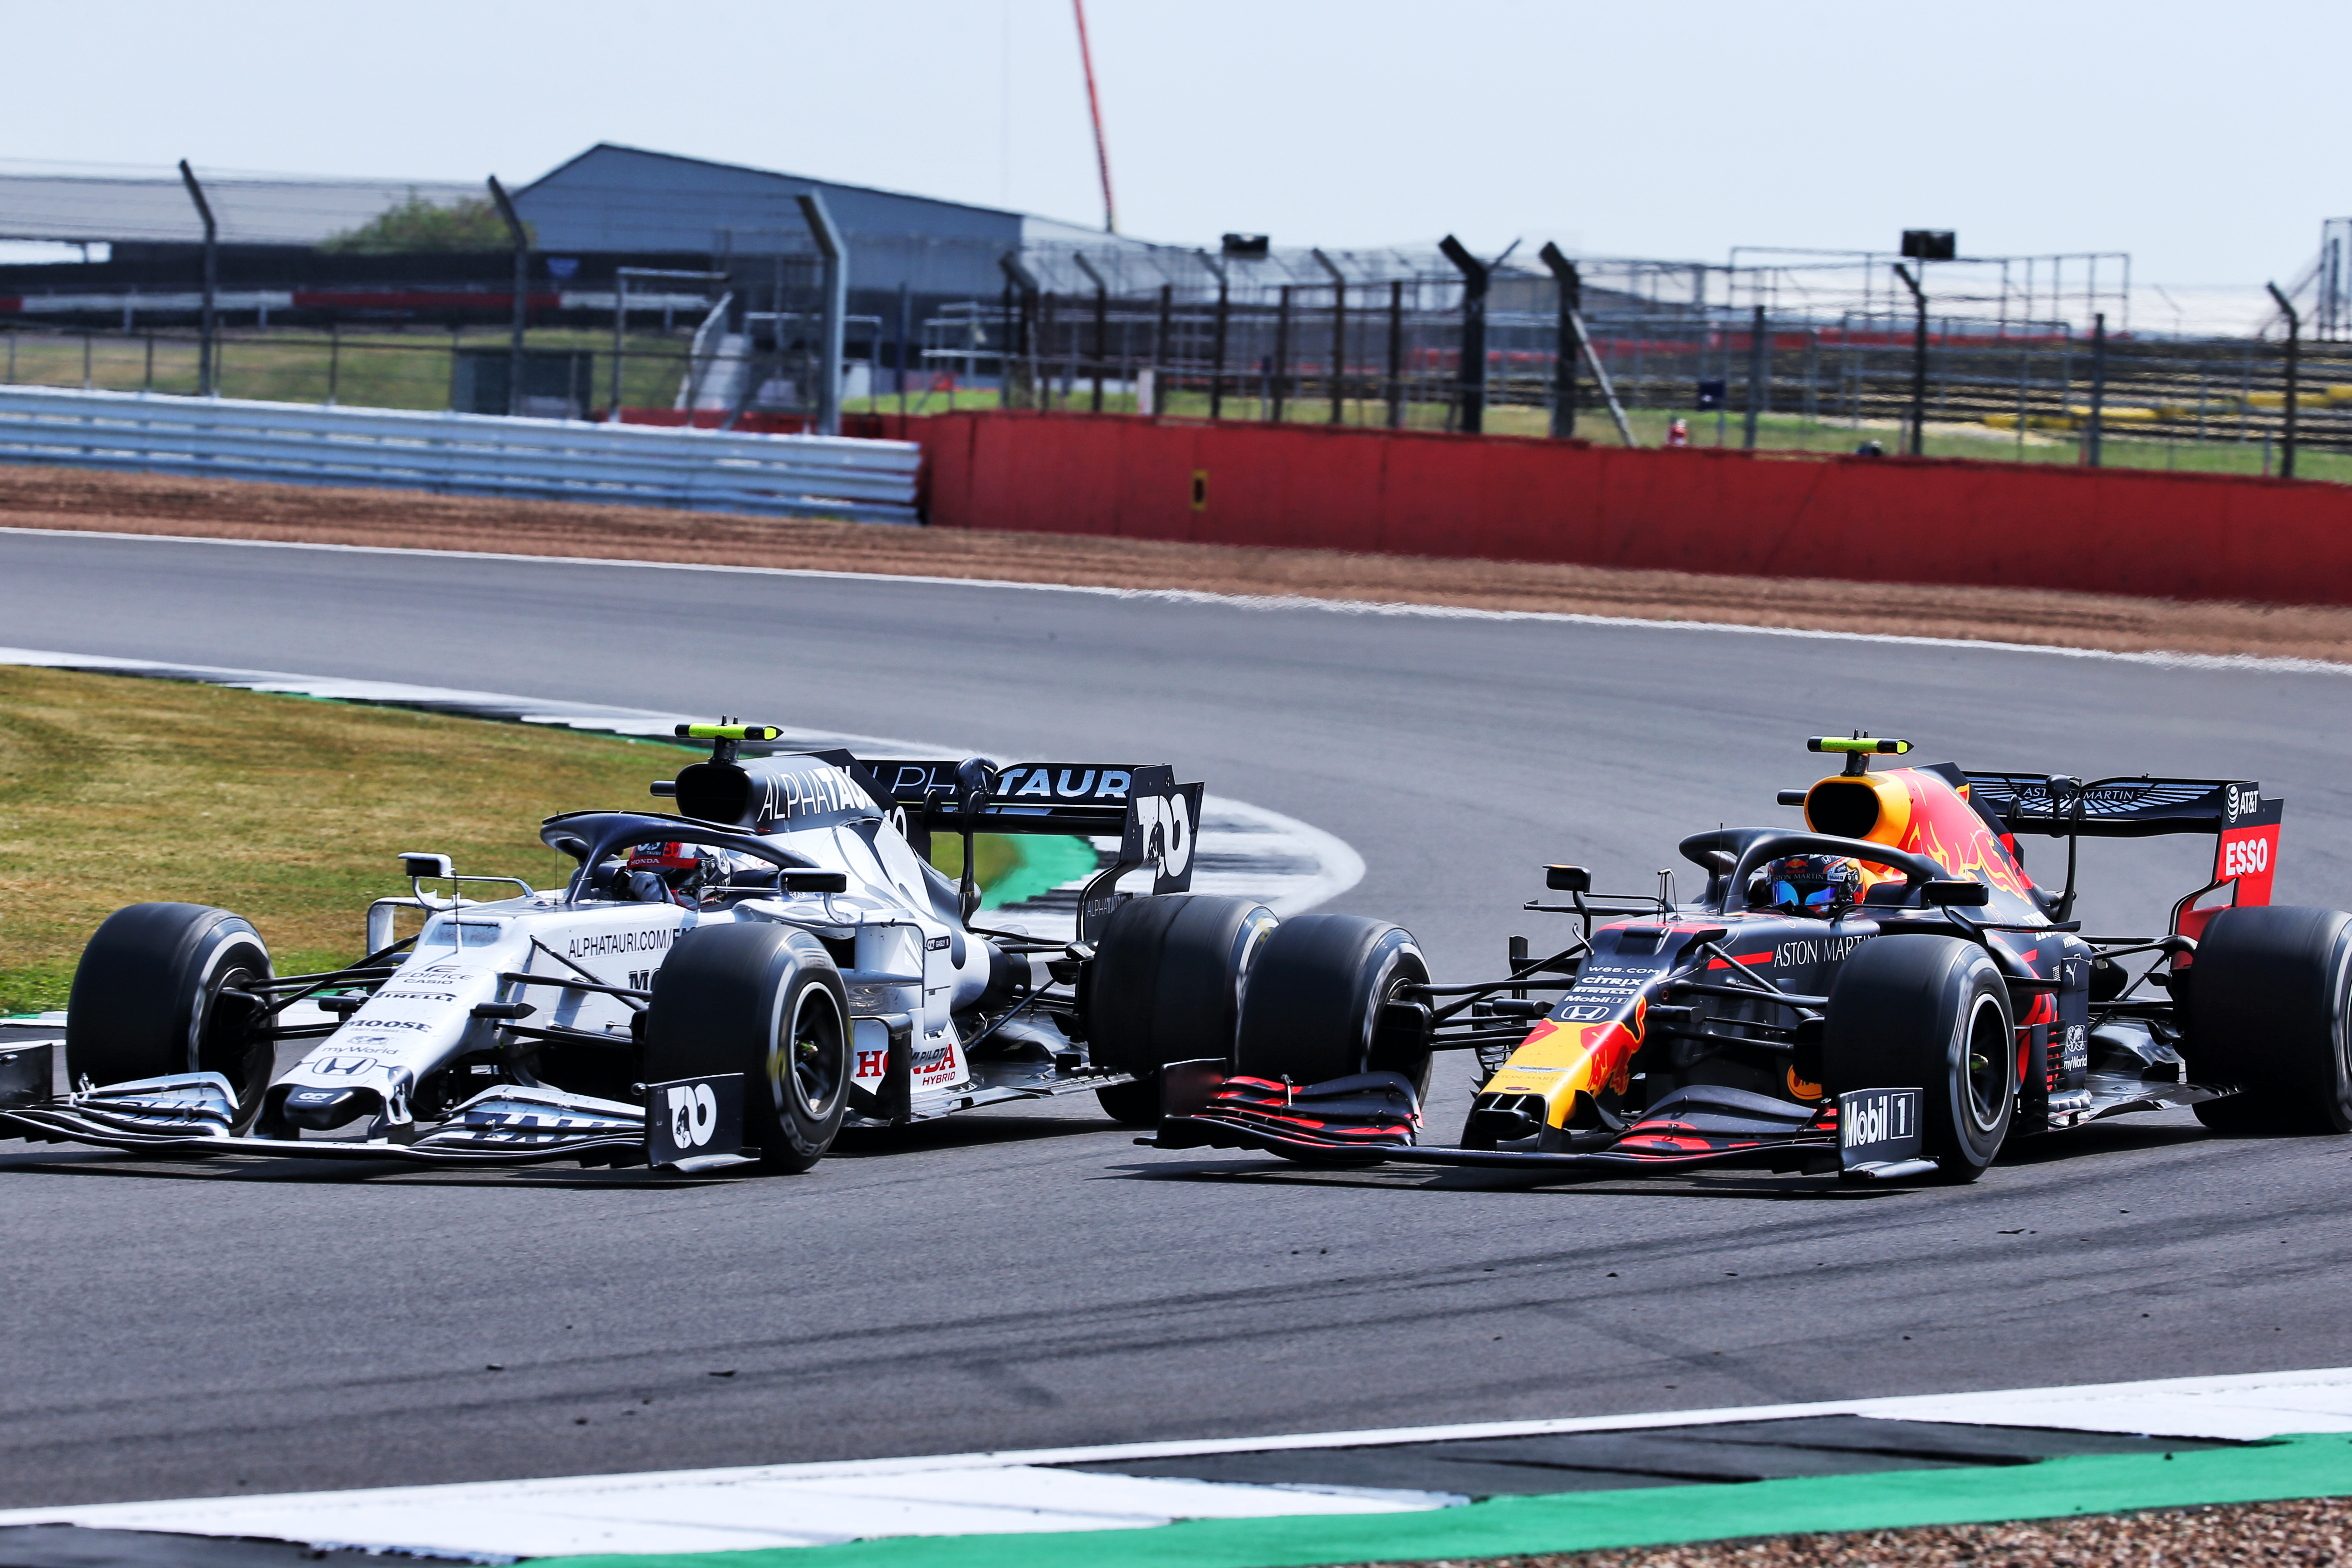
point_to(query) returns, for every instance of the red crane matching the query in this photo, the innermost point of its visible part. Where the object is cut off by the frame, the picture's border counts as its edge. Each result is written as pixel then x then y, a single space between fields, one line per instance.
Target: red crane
pixel 1094 106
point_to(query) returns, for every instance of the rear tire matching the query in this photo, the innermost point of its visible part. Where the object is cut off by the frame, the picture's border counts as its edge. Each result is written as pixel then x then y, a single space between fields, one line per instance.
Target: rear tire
pixel 1930 1012
pixel 767 1002
pixel 1313 1007
pixel 146 999
pixel 1168 978
pixel 2268 998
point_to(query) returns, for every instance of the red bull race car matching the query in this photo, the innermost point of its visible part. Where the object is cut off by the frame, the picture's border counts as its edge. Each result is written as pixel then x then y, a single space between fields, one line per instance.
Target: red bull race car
pixel 1883 994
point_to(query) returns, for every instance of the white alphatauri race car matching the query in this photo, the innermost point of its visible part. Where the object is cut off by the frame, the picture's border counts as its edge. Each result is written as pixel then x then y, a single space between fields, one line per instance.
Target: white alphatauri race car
pixel 725 984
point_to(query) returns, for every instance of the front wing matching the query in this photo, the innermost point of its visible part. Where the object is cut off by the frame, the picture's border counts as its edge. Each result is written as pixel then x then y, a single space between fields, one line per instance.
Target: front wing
pixel 197 1113
pixel 1870 1135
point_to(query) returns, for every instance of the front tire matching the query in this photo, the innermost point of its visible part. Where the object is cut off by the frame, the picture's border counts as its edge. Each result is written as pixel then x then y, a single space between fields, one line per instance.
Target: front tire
pixel 1930 1012
pixel 2268 998
pixel 147 999
pixel 1313 1010
pixel 1168 979
pixel 767 1002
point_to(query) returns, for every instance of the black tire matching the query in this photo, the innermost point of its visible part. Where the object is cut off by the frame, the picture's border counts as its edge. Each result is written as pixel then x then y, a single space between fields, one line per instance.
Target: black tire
pixel 1312 1009
pixel 1168 978
pixel 767 1002
pixel 2268 998
pixel 146 999
pixel 2237 1116
pixel 1929 1011
pixel 1132 1104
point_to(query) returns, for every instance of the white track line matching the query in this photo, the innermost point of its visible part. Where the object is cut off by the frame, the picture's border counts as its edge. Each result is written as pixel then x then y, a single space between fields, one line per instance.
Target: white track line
pixel 1276 602
pixel 991 1493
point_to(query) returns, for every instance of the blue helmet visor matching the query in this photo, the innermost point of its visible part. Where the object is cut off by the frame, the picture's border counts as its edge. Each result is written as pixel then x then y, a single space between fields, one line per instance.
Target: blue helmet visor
pixel 1812 896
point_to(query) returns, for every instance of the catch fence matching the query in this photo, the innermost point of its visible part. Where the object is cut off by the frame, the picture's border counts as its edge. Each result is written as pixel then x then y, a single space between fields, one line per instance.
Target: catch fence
pixel 1379 341
pixel 1390 355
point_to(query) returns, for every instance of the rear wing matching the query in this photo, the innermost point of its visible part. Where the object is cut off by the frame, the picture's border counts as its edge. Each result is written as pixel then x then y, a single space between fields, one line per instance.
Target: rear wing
pixel 2244 824
pixel 2139 807
pixel 1085 800
pixel 1153 817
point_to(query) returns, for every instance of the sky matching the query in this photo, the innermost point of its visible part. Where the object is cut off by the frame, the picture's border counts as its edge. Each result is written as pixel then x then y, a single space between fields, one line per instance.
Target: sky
pixel 2205 142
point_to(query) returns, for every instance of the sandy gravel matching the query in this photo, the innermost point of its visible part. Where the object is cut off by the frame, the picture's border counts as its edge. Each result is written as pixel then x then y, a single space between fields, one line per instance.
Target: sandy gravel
pixel 139 503
pixel 2308 1532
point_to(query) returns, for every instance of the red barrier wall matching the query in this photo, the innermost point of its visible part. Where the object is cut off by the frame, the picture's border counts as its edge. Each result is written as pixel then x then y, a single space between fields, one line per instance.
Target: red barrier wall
pixel 1888 520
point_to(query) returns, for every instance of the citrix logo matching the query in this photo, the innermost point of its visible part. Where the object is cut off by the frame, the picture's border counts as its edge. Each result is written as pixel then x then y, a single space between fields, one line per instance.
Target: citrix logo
pixel 693 1114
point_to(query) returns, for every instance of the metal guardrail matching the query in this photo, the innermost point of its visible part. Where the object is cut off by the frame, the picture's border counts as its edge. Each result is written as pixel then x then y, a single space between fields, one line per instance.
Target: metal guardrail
pixel 462 454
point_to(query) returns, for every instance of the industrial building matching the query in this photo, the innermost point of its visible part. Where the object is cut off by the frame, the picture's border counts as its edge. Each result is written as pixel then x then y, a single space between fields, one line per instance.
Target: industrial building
pixel 137 240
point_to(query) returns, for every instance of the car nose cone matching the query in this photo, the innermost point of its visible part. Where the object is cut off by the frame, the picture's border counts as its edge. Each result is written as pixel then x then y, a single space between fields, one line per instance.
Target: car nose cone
pixel 319 1109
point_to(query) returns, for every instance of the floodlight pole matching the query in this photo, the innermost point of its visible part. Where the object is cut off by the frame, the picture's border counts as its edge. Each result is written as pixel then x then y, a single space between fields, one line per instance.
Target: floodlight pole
pixel 1102 322
pixel 2294 358
pixel 1396 354
pixel 205 353
pixel 836 285
pixel 620 346
pixel 1563 368
pixel 2094 430
pixel 522 237
pixel 1471 373
pixel 1759 376
pixel 1020 286
pixel 1918 362
pixel 1339 334
pixel 1217 337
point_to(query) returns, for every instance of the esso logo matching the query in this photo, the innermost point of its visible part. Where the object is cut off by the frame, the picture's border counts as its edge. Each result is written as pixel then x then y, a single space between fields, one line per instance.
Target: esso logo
pixel 2246 857
pixel 693 1114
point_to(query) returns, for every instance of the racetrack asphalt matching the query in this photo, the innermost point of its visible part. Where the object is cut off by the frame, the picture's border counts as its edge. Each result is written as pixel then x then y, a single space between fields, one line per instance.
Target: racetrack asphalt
pixel 1028 1277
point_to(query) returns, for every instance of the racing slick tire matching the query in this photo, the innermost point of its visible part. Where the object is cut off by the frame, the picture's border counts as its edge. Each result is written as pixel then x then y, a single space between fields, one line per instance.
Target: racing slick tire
pixel 1313 1009
pixel 767 1002
pixel 148 999
pixel 2268 998
pixel 1166 986
pixel 1929 1011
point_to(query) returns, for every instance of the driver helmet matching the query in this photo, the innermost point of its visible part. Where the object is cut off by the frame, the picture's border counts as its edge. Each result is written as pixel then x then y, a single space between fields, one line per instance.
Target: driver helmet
pixel 1819 885
pixel 680 871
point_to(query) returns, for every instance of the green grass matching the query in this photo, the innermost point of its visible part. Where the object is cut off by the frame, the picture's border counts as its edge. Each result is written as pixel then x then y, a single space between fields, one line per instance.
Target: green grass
pixel 116 791
pixel 369 370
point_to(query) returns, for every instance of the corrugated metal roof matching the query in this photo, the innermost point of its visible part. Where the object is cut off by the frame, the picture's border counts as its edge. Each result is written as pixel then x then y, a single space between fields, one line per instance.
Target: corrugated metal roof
pixel 85 205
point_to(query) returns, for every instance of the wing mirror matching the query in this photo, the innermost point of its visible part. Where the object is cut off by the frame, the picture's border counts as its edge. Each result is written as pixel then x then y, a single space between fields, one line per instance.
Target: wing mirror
pixel 415 865
pixel 1959 893
pixel 1568 878
pixel 794 881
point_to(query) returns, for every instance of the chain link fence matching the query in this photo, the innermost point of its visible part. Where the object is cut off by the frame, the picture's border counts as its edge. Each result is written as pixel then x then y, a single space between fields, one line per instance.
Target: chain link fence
pixel 1352 338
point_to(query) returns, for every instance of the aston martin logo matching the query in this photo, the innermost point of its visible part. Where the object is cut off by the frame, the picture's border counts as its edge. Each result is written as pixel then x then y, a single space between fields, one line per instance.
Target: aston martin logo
pixel 2036 797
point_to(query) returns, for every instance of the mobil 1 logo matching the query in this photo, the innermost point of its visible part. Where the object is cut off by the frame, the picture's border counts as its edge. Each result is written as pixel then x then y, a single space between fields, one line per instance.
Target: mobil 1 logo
pixel 1878 1125
pixel 690 1120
